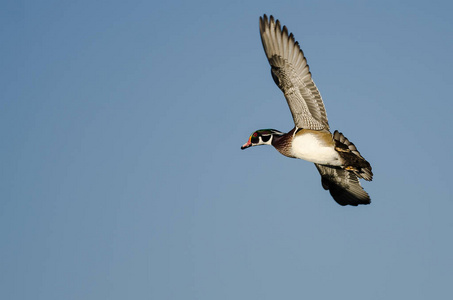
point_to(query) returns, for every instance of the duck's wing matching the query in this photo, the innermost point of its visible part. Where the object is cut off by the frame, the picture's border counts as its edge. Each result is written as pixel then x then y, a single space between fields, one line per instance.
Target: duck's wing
pixel 292 75
pixel 343 185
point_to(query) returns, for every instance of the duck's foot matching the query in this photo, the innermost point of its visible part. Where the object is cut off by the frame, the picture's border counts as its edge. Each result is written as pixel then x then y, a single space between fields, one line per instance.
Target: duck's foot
pixel 349 168
pixel 340 149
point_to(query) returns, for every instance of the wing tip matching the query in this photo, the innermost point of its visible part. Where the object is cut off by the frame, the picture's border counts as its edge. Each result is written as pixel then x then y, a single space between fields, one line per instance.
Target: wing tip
pixel 344 197
pixel 345 202
pixel 343 186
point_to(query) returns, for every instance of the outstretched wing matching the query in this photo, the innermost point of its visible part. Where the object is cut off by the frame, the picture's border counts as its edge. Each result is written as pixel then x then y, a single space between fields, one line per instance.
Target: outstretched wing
pixel 292 75
pixel 343 185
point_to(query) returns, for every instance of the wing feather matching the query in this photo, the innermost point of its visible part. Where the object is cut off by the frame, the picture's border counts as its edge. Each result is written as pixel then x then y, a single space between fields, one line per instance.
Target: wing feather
pixel 343 185
pixel 292 75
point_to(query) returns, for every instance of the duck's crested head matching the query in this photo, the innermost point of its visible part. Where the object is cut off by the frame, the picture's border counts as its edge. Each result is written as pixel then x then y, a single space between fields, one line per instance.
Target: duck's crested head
pixel 261 137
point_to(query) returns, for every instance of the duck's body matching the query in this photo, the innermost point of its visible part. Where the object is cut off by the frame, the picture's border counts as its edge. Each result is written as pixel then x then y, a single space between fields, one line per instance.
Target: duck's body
pixel 310 145
pixel 336 158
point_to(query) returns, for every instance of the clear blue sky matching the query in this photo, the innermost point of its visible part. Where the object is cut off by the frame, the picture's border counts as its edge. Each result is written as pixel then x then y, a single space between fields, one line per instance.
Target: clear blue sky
pixel 121 174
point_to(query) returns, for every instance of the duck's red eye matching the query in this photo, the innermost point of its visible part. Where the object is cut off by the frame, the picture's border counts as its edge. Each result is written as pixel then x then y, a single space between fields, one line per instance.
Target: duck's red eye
pixel 255 134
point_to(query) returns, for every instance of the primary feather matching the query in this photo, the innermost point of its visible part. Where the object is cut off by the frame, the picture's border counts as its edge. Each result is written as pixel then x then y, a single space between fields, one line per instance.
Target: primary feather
pixel 292 75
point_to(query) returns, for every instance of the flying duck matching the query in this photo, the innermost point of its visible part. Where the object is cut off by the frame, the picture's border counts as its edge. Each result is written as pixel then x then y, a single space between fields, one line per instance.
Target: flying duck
pixel 336 158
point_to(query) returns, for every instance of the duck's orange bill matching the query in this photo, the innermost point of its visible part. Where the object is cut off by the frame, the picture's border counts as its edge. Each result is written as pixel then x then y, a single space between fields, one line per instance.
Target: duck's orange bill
pixel 248 144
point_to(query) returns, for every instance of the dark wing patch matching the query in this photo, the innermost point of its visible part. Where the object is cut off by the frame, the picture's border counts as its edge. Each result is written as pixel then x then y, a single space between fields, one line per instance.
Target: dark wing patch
pixel 343 185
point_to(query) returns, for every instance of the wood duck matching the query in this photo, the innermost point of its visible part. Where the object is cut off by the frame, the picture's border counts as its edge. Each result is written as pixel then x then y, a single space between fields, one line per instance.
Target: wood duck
pixel 336 158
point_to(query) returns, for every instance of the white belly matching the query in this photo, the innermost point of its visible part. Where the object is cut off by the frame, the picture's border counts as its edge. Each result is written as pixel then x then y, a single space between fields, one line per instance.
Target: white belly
pixel 309 148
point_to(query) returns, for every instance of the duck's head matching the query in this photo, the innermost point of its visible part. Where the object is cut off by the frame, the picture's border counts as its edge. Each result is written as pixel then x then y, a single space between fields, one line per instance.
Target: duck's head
pixel 261 137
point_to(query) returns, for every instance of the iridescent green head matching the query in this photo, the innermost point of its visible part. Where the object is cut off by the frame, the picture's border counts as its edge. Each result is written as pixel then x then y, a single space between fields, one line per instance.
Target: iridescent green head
pixel 261 137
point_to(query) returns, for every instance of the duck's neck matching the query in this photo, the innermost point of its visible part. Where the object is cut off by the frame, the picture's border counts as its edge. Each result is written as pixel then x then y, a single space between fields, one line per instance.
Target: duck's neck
pixel 282 142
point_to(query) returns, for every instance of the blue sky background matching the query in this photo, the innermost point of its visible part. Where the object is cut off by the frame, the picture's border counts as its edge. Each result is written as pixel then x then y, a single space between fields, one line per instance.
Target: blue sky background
pixel 121 171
